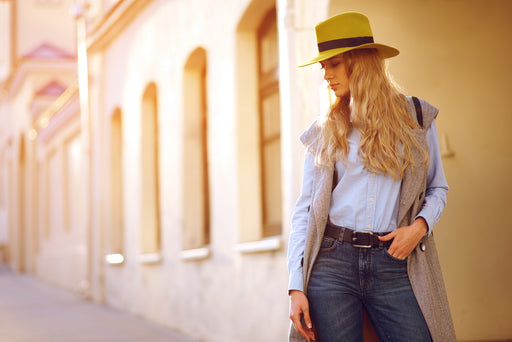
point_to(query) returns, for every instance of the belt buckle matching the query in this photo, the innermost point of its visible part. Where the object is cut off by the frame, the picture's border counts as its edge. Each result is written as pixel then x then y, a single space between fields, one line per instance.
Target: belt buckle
pixel 356 236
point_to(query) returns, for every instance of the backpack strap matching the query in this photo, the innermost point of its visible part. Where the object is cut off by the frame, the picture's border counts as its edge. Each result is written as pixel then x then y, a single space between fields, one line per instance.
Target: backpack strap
pixel 419 112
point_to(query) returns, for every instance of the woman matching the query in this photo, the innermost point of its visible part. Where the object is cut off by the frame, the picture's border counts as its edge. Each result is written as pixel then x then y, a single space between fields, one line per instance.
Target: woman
pixel 373 189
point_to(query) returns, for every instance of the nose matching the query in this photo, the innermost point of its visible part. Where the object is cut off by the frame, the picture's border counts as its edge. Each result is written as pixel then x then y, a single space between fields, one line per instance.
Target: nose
pixel 327 74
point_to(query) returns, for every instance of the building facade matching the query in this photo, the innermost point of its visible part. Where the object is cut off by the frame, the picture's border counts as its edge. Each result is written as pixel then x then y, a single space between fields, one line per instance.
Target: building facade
pixel 149 153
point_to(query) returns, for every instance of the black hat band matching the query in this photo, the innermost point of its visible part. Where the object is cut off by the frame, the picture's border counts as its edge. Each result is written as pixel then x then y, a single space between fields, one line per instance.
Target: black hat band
pixel 344 43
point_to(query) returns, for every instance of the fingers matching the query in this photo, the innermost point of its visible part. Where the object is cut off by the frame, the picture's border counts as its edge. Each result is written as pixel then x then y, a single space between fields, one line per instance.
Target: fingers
pixel 303 329
pixel 307 320
pixel 310 334
pixel 403 243
pixel 397 253
pixel 388 237
pixel 299 315
pixel 398 249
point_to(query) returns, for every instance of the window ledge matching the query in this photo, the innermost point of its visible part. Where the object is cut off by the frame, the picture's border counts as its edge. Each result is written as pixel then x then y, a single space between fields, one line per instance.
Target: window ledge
pixel 114 259
pixel 195 254
pixel 270 244
pixel 150 258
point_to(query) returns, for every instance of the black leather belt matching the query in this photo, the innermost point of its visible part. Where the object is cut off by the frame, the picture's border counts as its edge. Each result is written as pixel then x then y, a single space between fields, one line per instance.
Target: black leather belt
pixel 361 239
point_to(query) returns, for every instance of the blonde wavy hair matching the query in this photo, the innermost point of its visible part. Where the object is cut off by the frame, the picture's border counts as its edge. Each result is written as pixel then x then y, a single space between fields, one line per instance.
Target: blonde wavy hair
pixel 379 111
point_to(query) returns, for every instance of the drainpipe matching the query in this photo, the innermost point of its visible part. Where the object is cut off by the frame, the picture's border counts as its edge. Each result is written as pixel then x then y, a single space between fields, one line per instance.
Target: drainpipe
pixel 79 11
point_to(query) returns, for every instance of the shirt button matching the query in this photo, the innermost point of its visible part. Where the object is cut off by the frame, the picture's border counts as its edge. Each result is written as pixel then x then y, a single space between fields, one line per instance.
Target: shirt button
pixel 369 226
pixel 372 199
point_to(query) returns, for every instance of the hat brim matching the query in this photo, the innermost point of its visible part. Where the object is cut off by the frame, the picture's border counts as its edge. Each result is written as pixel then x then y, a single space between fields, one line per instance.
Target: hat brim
pixel 384 51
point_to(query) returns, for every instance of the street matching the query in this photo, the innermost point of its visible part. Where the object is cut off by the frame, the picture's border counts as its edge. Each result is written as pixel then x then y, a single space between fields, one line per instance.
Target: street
pixel 33 311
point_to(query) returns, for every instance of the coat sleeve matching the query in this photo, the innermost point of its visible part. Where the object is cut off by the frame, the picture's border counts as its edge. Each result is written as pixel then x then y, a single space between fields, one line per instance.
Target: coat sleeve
pixel 300 219
pixel 437 186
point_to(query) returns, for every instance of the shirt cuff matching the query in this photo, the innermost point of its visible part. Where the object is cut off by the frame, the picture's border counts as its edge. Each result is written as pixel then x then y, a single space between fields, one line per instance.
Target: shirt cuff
pixel 296 281
pixel 428 218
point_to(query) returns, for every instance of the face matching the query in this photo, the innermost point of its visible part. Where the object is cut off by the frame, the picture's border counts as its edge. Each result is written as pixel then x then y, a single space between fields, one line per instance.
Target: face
pixel 336 75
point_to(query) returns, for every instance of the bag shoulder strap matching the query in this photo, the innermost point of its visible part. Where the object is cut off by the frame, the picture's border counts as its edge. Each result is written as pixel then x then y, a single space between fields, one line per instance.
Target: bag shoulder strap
pixel 419 112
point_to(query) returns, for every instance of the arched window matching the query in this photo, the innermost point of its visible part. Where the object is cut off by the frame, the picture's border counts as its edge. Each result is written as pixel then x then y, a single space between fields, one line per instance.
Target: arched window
pixel 259 127
pixel 150 201
pixel 74 186
pixel 21 227
pixel 196 192
pixel 44 195
pixel 115 244
pixel 55 198
pixel 270 124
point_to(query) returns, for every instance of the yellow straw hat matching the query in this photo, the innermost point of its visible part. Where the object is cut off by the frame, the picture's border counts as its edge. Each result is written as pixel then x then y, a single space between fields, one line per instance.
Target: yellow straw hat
pixel 345 32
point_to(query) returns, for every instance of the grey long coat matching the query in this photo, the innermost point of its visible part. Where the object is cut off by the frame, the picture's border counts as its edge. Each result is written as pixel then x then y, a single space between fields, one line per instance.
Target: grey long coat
pixel 422 265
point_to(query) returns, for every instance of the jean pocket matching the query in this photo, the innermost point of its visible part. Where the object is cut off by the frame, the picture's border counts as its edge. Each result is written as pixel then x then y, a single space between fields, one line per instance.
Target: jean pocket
pixel 328 244
pixel 386 252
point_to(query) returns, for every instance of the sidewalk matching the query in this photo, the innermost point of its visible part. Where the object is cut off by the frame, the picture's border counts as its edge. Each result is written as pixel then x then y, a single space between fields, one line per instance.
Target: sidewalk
pixel 33 311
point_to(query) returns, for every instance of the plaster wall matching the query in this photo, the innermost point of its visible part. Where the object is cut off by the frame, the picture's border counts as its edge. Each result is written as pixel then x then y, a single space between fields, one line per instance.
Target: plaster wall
pixel 34 27
pixel 14 215
pixel 62 258
pixel 5 40
pixel 231 293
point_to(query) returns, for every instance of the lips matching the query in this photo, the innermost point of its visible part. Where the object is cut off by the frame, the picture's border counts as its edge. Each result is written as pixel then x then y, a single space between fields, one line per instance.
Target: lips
pixel 333 85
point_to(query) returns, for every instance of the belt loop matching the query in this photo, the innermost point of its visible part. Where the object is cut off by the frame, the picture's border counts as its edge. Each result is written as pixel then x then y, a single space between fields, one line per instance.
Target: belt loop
pixel 342 234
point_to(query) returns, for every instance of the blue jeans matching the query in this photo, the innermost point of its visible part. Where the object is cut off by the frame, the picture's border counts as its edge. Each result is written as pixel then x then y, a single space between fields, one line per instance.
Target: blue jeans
pixel 346 278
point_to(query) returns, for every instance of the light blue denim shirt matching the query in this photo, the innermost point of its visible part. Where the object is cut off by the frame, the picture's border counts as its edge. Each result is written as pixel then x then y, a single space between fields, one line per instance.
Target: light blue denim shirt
pixel 363 200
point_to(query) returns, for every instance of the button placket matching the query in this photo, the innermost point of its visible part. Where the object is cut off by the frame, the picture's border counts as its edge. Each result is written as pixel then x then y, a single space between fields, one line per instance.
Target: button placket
pixel 370 201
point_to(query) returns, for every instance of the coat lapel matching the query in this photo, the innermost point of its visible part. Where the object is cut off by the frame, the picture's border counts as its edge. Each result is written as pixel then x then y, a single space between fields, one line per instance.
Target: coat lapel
pixel 321 200
pixel 413 182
